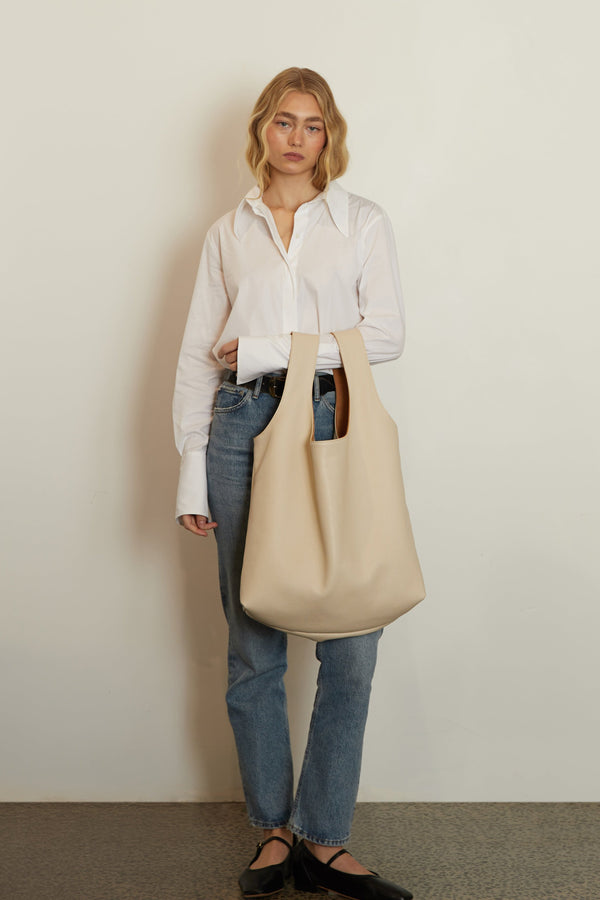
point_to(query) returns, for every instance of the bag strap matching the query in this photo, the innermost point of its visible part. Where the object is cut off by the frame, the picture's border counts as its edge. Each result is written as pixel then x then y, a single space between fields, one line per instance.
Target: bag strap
pixel 298 388
pixel 355 385
pixel 356 364
pixel 355 380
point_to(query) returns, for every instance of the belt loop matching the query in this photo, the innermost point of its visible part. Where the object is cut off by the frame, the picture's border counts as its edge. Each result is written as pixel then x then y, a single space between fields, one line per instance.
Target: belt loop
pixel 316 389
pixel 257 386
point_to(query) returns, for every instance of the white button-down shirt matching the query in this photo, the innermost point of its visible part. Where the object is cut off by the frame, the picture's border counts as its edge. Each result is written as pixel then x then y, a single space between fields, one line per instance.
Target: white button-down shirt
pixel 340 271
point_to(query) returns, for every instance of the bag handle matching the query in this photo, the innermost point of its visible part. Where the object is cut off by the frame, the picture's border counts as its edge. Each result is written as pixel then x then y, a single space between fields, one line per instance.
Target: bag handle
pixel 354 382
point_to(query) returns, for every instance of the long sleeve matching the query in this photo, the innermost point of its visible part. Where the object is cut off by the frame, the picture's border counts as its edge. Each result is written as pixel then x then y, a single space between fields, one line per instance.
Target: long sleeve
pixel 198 377
pixel 380 307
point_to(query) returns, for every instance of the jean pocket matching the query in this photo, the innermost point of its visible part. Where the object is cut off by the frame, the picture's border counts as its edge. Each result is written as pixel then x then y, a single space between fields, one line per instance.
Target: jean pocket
pixel 231 397
pixel 329 400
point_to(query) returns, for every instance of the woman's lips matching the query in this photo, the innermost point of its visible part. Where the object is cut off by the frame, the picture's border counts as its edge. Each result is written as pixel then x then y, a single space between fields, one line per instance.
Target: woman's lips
pixel 293 156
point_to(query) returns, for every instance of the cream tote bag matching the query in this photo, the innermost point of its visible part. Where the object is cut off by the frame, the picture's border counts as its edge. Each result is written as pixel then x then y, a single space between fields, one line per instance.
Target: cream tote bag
pixel 329 549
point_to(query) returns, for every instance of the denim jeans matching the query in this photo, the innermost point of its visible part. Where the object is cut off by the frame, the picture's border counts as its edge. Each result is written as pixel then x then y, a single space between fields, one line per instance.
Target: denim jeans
pixel 323 805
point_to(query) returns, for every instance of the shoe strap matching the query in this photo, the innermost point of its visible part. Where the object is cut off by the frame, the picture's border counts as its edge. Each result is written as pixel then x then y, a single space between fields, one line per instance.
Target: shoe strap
pixel 335 856
pixel 273 838
pixel 261 844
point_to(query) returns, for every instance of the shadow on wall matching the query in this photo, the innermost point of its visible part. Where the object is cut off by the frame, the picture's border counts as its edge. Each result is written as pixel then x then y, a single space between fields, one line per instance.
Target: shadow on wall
pixel 192 560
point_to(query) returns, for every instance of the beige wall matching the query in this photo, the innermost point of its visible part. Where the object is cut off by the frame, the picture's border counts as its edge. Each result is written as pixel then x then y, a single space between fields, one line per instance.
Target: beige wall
pixel 474 124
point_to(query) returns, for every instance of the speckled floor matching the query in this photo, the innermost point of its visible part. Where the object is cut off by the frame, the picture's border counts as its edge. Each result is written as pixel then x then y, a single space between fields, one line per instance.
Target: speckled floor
pixel 195 851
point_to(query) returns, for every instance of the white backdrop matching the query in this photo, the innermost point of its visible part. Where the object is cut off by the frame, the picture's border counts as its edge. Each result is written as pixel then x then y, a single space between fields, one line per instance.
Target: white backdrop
pixel 475 125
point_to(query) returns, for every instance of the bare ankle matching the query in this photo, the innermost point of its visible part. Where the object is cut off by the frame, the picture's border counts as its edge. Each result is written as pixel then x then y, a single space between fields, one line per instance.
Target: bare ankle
pixel 273 852
pixel 277 832
pixel 321 851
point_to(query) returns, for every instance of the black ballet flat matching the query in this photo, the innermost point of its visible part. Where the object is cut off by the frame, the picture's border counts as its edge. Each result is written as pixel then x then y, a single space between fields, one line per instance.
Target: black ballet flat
pixel 312 876
pixel 270 879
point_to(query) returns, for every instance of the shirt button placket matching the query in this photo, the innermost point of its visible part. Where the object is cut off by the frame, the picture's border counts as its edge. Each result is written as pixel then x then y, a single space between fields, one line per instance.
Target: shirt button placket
pixel 292 321
pixel 292 262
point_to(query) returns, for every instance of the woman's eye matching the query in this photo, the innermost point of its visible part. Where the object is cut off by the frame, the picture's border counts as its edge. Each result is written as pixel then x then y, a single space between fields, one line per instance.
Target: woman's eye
pixel 313 129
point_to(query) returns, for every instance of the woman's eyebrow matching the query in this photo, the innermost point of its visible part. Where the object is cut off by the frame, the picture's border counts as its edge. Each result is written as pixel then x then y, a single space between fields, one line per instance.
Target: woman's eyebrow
pixel 292 116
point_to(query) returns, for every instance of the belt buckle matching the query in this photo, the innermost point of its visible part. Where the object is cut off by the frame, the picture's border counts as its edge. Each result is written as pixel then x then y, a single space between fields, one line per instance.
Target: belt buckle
pixel 276 386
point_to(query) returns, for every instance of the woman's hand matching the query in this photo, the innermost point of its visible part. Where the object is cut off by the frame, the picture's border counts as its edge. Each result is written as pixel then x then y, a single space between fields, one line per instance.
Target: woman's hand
pixel 230 352
pixel 197 524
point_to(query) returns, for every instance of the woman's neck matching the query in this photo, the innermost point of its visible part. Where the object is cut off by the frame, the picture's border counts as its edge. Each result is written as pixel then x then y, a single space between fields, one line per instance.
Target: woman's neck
pixel 289 191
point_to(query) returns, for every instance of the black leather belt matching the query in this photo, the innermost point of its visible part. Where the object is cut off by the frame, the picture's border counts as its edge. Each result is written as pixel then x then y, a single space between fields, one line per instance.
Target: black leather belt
pixel 274 384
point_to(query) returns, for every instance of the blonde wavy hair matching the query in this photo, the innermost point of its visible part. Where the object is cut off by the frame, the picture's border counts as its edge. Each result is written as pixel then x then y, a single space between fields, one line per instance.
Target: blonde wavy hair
pixel 333 159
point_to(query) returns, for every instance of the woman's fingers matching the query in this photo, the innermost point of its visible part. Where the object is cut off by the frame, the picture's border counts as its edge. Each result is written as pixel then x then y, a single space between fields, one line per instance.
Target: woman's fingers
pixel 197 524
pixel 229 352
pixel 204 525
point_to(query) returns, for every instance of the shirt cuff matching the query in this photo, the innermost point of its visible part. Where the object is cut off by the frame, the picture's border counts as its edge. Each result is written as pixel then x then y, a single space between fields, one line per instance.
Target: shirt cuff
pixel 192 492
pixel 260 354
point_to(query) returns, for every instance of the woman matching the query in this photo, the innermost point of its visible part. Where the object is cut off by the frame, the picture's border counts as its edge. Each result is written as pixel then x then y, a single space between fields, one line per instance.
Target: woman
pixel 298 254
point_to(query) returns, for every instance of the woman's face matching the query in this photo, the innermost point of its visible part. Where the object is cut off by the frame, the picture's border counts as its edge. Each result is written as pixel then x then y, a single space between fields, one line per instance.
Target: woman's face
pixel 296 135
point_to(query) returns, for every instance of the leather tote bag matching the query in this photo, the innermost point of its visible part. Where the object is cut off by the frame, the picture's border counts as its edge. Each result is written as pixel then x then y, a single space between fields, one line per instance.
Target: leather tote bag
pixel 329 549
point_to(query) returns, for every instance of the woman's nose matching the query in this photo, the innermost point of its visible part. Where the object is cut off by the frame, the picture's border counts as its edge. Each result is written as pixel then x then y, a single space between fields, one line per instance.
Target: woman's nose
pixel 296 136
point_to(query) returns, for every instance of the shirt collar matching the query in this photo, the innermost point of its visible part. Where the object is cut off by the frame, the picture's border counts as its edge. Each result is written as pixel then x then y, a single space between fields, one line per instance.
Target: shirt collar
pixel 334 196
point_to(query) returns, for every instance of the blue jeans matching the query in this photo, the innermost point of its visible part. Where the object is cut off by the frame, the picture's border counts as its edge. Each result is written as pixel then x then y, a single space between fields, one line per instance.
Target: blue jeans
pixel 323 805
